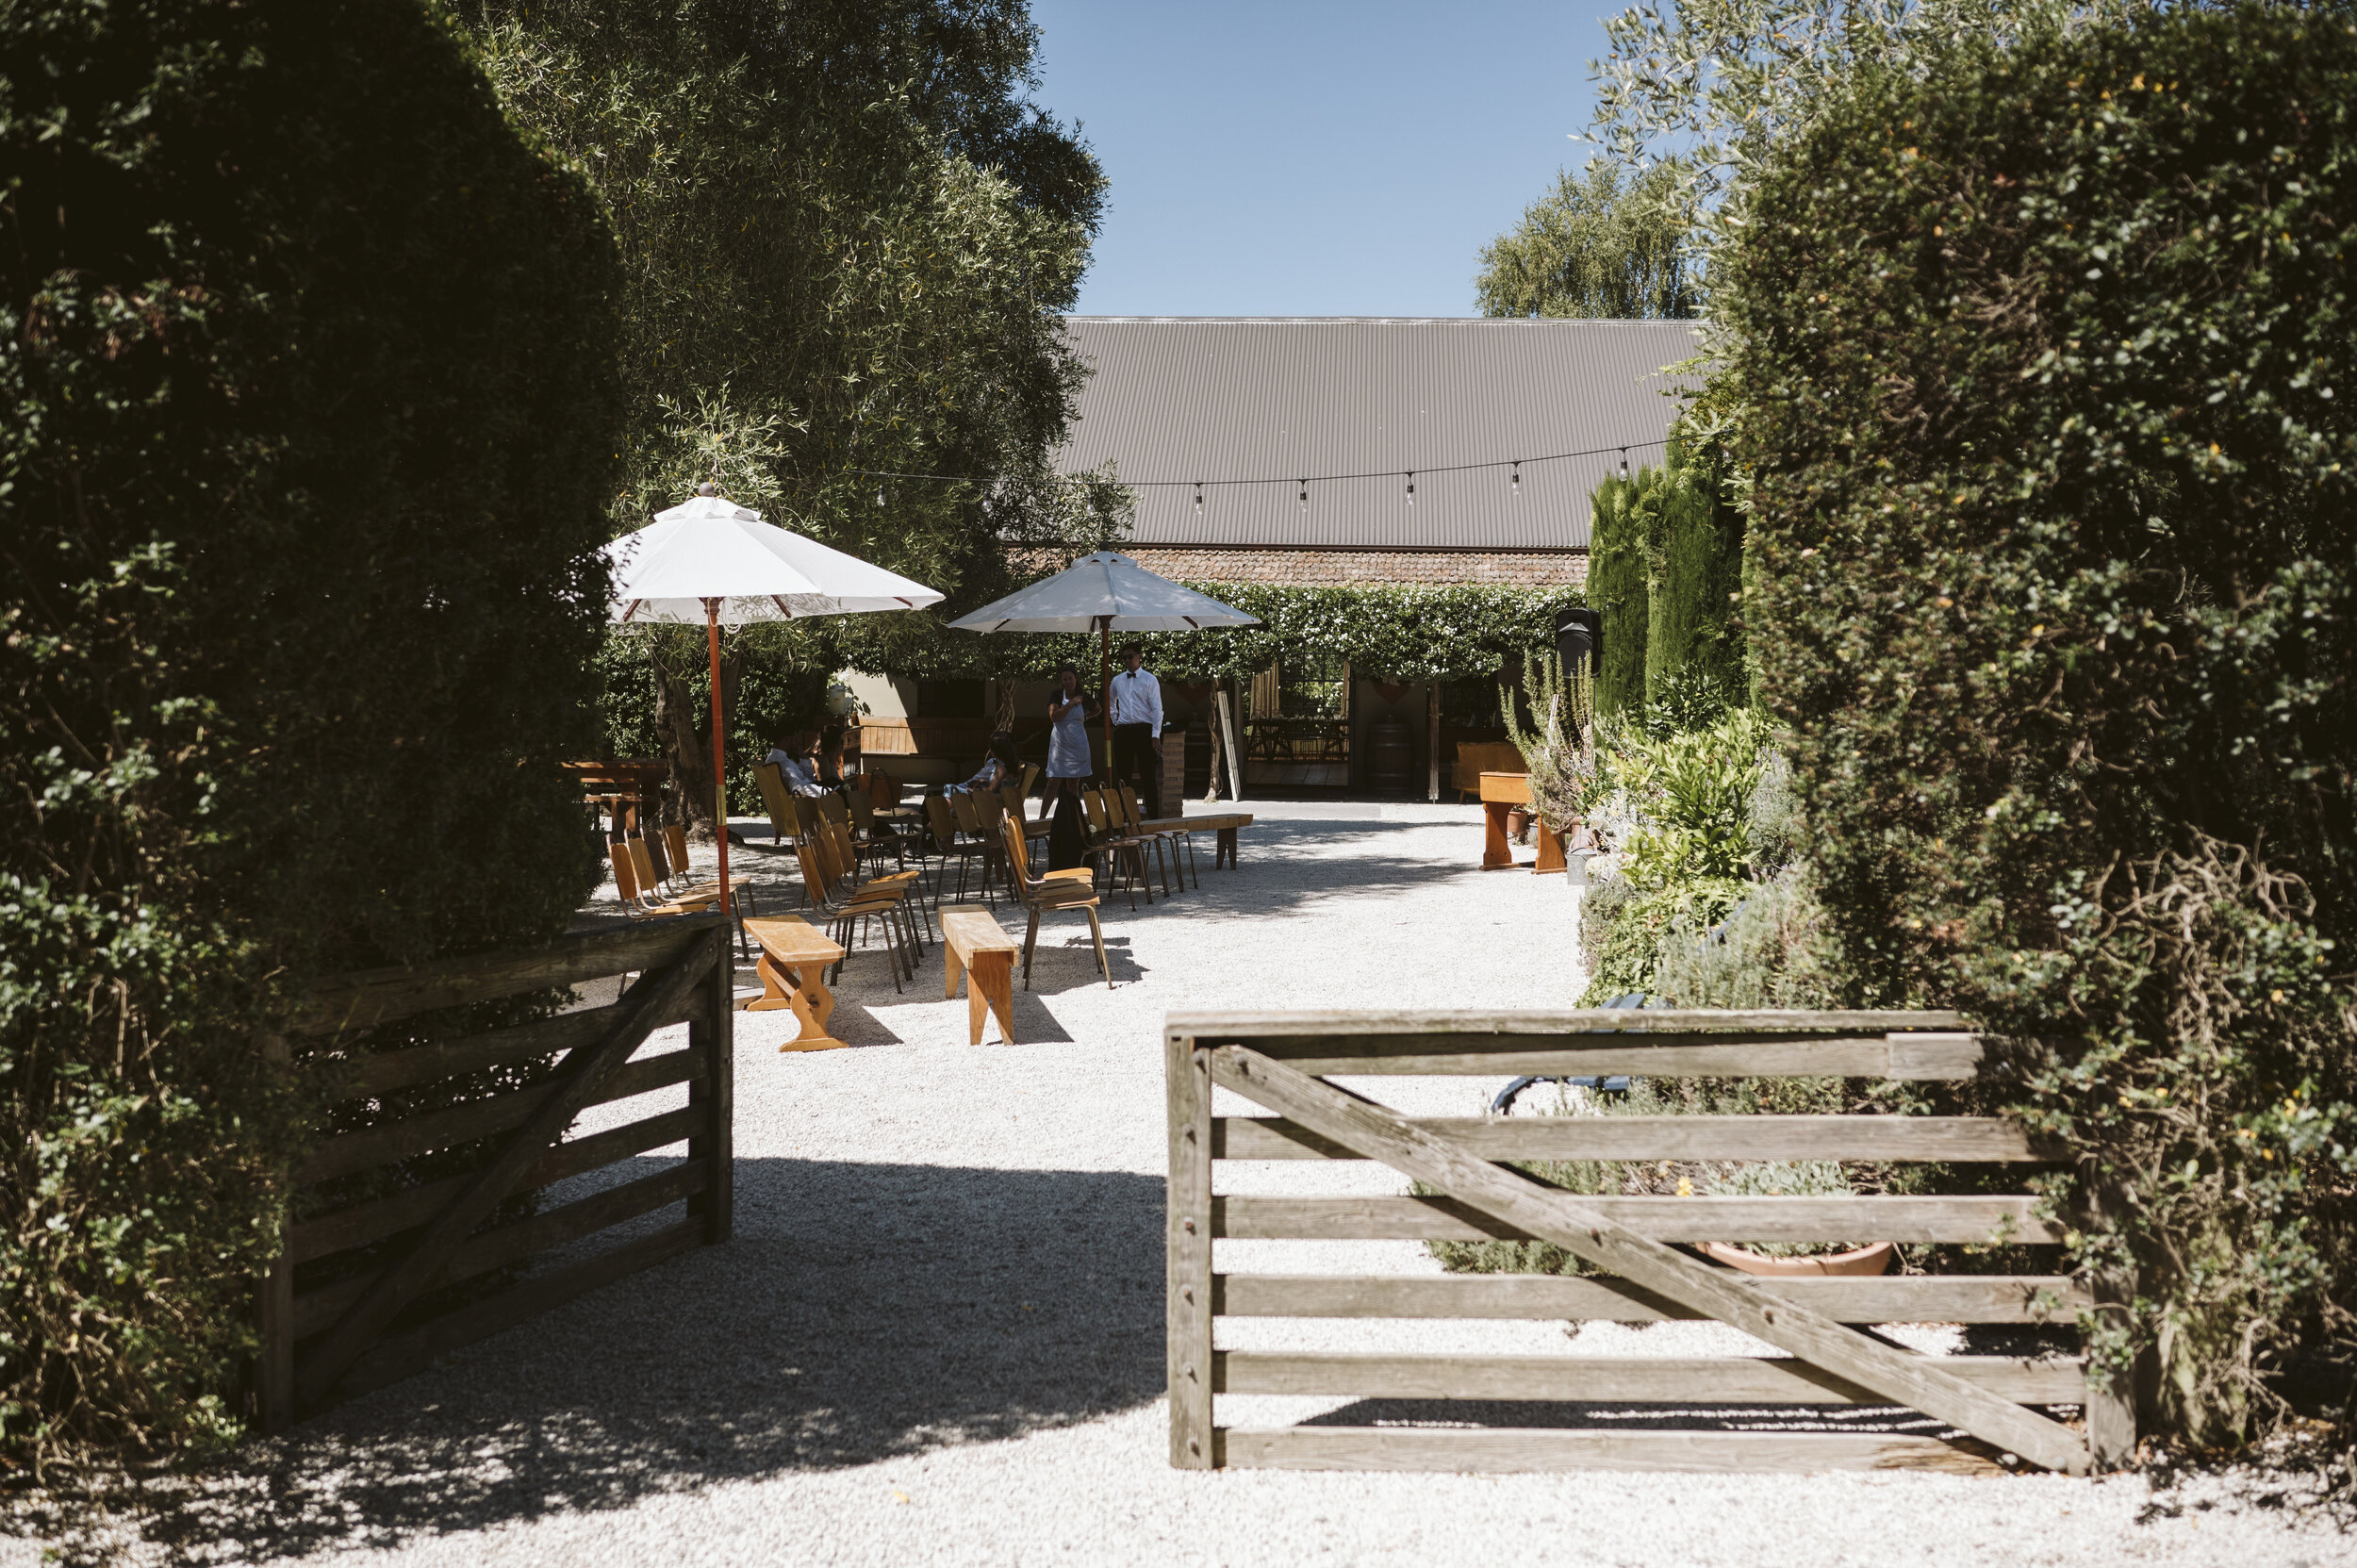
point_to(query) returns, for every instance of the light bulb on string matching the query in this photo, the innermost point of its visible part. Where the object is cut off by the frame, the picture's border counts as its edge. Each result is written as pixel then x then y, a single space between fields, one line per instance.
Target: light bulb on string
pixel 1517 479
pixel 1411 487
pixel 1624 462
pixel 1199 501
pixel 880 500
pixel 1305 495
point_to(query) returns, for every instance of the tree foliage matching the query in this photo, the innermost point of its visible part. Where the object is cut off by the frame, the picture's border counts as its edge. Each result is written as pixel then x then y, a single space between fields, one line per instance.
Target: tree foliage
pixel 848 238
pixel 306 361
pixel 1596 245
pixel 2046 353
pixel 1666 568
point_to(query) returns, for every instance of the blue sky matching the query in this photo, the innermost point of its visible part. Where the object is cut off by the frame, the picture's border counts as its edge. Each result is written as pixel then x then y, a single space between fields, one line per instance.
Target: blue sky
pixel 1314 158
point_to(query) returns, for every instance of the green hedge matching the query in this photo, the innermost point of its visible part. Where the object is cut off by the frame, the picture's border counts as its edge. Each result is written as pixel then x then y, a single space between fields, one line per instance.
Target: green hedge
pixel 306 364
pixel 2052 392
pixel 1619 555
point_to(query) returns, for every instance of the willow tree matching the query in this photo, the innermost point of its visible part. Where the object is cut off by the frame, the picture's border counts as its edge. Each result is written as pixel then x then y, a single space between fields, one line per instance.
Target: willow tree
pixel 848 238
pixel 1601 244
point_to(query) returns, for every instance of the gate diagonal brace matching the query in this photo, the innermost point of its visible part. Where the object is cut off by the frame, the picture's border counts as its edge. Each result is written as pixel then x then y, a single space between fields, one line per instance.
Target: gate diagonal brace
pixel 656 995
pixel 1900 1376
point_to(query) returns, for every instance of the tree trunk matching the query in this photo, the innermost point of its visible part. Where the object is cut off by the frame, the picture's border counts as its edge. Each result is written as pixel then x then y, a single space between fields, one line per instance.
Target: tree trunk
pixel 686 743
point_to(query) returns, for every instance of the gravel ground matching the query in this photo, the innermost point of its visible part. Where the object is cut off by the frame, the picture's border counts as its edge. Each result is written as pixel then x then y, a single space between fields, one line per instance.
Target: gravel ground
pixel 937 1336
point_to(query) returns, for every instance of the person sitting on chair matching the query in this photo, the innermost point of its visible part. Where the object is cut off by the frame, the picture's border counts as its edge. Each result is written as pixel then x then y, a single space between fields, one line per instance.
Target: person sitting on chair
pixel 793 760
pixel 998 769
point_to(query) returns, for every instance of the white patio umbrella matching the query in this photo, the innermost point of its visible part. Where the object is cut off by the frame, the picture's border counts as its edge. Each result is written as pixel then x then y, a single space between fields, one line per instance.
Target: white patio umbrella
pixel 1105 593
pixel 713 561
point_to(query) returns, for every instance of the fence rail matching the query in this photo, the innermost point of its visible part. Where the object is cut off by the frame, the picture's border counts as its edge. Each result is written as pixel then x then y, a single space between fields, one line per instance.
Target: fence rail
pixel 372 1242
pixel 2000 1405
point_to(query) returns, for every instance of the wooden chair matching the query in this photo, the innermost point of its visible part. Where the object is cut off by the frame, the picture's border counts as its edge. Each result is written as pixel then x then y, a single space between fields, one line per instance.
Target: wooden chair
pixel 680 886
pixel 1134 820
pixel 846 907
pixel 777 799
pixel 981 829
pixel 941 820
pixel 833 824
pixel 1072 889
pixel 636 889
pixel 1119 848
pixel 875 836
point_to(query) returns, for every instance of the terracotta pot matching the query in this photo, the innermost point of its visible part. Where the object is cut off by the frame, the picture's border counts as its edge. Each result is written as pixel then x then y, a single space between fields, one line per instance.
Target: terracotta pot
pixel 1517 823
pixel 1865 1259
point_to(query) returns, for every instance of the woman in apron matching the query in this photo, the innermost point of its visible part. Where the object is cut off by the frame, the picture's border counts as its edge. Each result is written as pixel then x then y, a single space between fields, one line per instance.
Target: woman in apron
pixel 1068 715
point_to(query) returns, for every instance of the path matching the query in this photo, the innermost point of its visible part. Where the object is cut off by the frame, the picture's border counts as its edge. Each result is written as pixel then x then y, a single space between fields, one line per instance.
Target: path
pixel 937 1337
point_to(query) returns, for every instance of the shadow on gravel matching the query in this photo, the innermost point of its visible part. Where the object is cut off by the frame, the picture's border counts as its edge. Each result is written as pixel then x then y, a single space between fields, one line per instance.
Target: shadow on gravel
pixel 864 1312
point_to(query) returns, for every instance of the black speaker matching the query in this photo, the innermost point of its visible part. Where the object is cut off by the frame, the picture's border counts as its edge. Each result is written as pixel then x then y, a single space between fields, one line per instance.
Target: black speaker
pixel 1579 634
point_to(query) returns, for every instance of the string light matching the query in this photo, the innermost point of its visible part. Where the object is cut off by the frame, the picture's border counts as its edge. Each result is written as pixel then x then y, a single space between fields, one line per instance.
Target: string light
pixel 879 495
pixel 1411 487
pixel 1305 495
pixel 1198 501
pixel 1517 478
pixel 1198 486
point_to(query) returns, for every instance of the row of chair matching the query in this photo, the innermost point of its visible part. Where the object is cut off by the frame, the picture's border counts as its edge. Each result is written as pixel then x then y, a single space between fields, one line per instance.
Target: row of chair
pixel 649 887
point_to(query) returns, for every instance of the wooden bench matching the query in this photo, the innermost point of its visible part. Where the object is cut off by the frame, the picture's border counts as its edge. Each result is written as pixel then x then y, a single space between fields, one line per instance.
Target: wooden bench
pixel 1223 823
pixel 974 943
pixel 1501 793
pixel 793 963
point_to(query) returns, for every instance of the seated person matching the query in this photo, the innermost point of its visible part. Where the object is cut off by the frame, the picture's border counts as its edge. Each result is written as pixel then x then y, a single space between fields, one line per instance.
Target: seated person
pixel 793 760
pixel 999 769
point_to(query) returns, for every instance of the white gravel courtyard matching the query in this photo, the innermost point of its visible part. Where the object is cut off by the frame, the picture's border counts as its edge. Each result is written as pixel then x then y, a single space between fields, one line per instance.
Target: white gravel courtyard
pixel 938 1334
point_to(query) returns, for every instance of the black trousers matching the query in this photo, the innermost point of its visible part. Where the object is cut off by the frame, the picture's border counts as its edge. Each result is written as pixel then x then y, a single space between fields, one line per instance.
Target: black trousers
pixel 1133 752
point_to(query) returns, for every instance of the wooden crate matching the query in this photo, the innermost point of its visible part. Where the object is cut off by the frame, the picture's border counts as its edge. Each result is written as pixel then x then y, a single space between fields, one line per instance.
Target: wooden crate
pixel 359 1332
pixel 1280 1062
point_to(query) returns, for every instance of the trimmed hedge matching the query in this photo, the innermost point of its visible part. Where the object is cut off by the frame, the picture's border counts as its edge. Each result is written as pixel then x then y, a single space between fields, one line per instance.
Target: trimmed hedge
pixel 2050 371
pixel 1696 580
pixel 1620 556
pixel 306 363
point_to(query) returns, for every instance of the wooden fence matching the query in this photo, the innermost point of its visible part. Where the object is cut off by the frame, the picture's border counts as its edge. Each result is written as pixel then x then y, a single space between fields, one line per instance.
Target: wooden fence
pixel 1279 1063
pixel 374 1322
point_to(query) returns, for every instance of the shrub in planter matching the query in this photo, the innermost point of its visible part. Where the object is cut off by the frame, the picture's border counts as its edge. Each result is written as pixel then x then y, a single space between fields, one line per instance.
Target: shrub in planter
pixel 2051 396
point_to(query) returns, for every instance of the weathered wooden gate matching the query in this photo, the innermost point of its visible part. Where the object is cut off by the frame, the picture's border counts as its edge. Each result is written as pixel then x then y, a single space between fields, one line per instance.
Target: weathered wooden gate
pixel 333 1341
pixel 1280 1062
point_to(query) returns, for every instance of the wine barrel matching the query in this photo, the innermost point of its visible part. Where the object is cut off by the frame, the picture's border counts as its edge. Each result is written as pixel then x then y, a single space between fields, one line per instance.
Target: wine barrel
pixel 1391 757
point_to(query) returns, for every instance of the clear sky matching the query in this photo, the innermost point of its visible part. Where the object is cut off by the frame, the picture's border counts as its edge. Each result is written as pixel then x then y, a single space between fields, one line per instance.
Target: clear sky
pixel 1313 158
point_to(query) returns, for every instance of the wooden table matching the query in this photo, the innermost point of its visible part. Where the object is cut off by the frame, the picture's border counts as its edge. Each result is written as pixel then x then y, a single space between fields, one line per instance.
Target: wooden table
pixel 794 956
pixel 1224 823
pixel 1500 793
pixel 973 941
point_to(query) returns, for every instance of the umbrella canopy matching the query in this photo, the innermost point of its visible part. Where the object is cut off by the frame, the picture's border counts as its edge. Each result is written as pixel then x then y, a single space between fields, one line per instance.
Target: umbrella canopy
pixel 709 560
pixel 1104 592
pixel 709 548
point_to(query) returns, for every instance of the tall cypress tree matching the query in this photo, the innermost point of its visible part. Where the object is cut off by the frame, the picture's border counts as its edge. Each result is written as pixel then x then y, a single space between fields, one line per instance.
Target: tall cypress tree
pixel 1619 553
pixel 1696 575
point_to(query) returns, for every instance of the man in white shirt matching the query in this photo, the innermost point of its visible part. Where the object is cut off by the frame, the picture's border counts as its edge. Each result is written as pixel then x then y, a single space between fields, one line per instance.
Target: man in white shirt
pixel 795 767
pixel 1137 709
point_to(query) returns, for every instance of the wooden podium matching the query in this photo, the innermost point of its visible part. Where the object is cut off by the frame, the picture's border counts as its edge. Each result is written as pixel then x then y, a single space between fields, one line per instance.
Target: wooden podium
pixel 1499 793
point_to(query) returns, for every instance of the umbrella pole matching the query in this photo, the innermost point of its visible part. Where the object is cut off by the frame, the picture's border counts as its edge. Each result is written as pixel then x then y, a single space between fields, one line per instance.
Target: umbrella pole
pixel 1105 685
pixel 719 771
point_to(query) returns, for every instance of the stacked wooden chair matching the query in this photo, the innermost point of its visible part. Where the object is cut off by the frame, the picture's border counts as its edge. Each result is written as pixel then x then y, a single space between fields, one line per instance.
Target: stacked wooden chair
pixel 651 888
pixel 847 906
pixel 1075 888
pixel 1124 852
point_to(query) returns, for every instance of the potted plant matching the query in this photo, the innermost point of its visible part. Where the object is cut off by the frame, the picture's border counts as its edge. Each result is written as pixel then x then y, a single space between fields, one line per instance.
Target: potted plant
pixel 1558 750
pixel 1804 1260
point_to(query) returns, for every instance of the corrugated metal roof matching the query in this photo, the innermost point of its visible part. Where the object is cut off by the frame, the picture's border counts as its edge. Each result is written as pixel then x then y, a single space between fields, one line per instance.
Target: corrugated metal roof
pixel 1205 398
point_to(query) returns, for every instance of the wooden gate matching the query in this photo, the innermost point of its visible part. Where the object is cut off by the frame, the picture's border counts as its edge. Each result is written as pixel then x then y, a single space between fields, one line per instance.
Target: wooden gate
pixel 1280 1062
pixel 339 1339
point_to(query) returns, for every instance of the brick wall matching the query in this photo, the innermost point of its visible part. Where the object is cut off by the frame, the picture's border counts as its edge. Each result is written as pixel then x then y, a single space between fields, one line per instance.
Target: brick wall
pixel 1321 568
